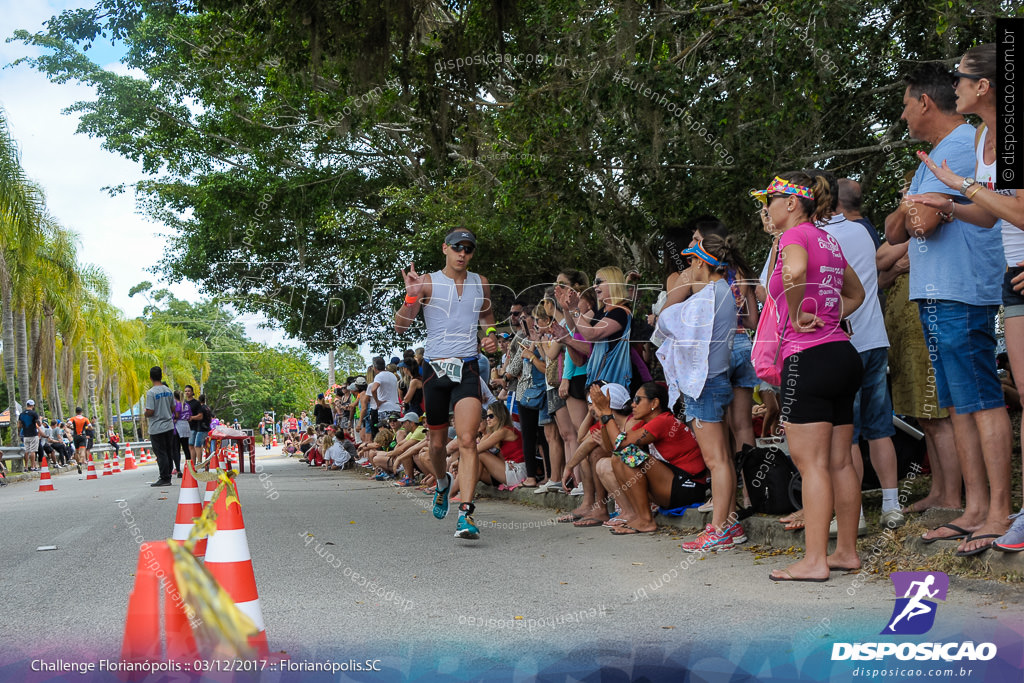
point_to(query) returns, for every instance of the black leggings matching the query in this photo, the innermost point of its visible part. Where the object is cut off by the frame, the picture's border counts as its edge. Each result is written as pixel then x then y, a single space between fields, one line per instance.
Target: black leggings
pixel 533 436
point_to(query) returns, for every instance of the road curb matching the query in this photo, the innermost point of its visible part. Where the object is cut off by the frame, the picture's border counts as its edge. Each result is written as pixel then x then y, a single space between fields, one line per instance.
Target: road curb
pixel 766 530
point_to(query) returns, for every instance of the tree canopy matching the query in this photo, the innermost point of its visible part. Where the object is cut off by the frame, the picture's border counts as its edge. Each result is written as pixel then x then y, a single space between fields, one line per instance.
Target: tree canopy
pixel 301 152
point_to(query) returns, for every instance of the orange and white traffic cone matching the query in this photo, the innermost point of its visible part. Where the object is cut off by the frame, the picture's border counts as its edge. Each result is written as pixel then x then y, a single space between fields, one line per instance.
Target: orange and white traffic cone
pixel 274 442
pixel 142 642
pixel 90 472
pixel 106 465
pixel 229 561
pixel 45 483
pixel 129 458
pixel 190 506
pixel 115 467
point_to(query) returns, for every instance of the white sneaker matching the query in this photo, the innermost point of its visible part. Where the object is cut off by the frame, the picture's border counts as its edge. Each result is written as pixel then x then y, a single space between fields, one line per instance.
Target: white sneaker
pixel 543 488
pixel 706 507
pixel 892 519
pixel 578 491
pixel 862 527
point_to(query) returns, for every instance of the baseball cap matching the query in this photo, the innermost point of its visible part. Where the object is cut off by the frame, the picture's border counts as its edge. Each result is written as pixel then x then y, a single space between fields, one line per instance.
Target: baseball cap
pixel 618 396
pixel 319 395
pixel 30 402
pixel 411 417
pixel 456 236
pixel 360 382
pixel 395 360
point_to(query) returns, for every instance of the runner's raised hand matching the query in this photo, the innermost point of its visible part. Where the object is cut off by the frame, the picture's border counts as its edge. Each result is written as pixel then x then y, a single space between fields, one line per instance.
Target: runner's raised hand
pixel 413 281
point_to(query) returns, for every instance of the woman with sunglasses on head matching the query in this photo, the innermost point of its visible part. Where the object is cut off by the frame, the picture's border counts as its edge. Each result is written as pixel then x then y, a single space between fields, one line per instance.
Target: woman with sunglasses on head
pixel 673 477
pixel 814 288
pixel 502 443
pixel 706 411
pixel 607 327
pixel 976 85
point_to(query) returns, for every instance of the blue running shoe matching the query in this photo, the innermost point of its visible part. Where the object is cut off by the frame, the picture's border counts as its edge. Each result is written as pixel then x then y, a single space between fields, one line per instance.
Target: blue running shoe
pixel 441 500
pixel 466 528
pixel 1013 540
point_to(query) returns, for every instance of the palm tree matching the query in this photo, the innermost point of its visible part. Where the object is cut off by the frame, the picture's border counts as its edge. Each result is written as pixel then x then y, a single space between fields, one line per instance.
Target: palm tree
pixel 21 208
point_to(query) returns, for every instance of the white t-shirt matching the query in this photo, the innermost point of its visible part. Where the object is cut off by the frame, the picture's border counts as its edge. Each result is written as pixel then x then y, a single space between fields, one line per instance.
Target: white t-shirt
pixel 337 454
pixel 387 391
pixel 859 250
pixel 1013 237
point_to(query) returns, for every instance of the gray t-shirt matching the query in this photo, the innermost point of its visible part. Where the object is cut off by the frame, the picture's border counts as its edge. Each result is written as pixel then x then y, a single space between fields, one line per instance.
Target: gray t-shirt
pixel 724 331
pixel 160 400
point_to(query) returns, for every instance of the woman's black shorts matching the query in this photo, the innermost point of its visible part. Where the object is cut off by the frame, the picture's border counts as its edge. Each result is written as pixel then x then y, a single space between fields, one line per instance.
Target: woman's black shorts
pixel 820 383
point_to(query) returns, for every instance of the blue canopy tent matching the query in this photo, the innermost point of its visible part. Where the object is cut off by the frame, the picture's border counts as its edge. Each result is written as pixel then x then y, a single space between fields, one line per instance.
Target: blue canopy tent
pixel 131 415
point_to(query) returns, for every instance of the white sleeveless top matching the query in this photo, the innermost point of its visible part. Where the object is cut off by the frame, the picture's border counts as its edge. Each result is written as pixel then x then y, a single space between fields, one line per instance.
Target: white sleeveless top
pixel 1013 237
pixel 452 320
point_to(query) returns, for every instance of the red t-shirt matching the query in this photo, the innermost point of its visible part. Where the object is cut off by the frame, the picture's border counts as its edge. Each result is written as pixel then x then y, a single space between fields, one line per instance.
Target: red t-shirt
pixel 512 451
pixel 674 443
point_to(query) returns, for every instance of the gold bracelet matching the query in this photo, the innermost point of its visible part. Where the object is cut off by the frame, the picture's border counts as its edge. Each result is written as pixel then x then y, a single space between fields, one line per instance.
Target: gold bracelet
pixel 976 191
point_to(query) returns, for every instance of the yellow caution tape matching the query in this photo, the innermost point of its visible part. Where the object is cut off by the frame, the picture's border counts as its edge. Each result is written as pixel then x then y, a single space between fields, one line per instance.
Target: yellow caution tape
pixel 220 623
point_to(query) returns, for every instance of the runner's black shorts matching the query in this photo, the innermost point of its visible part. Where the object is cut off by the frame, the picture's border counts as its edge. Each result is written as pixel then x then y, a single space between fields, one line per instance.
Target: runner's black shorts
pixel 80 441
pixel 440 393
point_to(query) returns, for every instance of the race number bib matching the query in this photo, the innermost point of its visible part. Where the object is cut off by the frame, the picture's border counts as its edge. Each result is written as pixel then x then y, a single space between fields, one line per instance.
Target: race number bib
pixel 448 367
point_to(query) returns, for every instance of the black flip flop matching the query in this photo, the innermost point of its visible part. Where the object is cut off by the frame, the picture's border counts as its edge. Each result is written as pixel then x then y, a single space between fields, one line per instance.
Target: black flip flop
pixel 977 551
pixel 568 518
pixel 960 533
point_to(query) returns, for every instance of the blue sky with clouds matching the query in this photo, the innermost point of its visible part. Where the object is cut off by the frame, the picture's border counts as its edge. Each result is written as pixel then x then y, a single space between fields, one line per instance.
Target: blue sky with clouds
pixel 73 168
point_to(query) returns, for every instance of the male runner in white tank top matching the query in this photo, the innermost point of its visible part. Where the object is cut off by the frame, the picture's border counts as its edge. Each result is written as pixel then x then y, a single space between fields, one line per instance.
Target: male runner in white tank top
pixel 456 303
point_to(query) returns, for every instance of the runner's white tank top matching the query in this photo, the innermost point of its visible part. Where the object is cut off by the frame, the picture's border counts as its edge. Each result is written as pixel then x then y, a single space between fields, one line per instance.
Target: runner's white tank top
pixel 1013 237
pixel 452 320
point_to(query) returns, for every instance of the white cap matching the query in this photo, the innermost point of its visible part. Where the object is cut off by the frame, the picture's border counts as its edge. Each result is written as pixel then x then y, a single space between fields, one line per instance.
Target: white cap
pixel 410 417
pixel 30 402
pixel 618 396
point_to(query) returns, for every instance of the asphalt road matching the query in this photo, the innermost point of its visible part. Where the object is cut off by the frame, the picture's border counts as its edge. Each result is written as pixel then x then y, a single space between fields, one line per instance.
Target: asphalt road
pixel 530 599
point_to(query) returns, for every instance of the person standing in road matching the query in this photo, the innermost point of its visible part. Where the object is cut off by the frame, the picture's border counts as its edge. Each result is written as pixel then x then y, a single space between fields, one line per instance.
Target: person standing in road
pixel 160 413
pixel 455 303
pixel 30 423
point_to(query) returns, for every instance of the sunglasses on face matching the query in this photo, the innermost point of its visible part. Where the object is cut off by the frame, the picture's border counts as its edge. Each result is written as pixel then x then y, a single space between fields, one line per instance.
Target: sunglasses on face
pixel 459 248
pixel 638 398
pixel 598 281
pixel 957 75
pixel 489 416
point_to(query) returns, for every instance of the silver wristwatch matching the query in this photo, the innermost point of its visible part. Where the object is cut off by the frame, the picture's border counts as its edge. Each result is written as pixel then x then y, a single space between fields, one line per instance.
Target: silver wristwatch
pixel 966 184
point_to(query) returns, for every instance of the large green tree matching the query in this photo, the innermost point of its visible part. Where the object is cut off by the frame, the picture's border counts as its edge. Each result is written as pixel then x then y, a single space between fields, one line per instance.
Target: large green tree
pixel 301 152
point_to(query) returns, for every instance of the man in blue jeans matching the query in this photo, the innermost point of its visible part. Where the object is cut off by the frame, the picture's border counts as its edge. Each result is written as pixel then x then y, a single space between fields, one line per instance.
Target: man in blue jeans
pixel 956 273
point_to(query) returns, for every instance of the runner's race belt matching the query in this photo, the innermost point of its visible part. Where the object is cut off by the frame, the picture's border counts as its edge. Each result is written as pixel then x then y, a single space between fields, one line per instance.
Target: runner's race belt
pixel 449 367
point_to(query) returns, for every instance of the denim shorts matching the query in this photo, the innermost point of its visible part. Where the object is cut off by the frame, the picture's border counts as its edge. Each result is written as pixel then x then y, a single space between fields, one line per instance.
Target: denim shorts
pixel 962 348
pixel 741 370
pixel 1013 302
pixel 713 400
pixel 197 438
pixel 872 407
